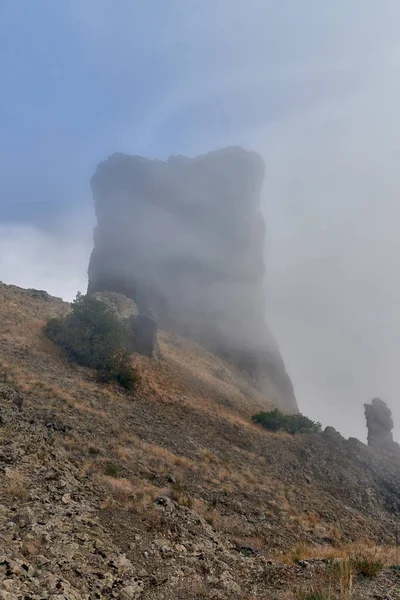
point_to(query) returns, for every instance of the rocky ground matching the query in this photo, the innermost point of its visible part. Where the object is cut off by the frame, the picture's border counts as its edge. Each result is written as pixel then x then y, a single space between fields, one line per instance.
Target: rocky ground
pixel 171 492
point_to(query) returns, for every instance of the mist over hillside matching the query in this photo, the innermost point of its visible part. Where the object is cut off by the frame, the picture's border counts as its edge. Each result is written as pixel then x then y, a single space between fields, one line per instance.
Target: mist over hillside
pixel 199 300
pixel 313 89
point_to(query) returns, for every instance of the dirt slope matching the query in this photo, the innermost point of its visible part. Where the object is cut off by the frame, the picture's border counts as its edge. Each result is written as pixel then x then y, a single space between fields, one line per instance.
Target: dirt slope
pixel 171 492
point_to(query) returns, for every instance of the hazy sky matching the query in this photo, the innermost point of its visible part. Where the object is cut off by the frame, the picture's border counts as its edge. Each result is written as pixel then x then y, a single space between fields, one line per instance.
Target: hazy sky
pixel 311 84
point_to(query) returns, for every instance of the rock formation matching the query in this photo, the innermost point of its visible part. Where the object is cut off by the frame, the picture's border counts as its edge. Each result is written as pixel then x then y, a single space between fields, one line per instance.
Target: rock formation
pixel 141 328
pixel 185 239
pixel 379 423
pixel 123 308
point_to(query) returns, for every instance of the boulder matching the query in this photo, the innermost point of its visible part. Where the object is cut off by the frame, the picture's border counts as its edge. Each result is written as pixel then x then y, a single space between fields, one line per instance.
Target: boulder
pixel 124 308
pixel 141 328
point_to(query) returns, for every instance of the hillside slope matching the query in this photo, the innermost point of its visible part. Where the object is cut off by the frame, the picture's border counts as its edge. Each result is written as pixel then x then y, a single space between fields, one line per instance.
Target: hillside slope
pixel 170 492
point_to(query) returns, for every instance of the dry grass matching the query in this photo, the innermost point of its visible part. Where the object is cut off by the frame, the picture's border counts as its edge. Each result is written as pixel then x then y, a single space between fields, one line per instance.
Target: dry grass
pixel 207 456
pixel 17 485
pixel 339 582
pixel 199 371
pixel 123 452
pixel 149 451
pixel 84 407
pixel 136 495
pixel 358 552
pixel 346 565
pixel 73 443
pixel 336 585
pixel 121 489
pixel 180 495
pixel 312 519
pixel 256 542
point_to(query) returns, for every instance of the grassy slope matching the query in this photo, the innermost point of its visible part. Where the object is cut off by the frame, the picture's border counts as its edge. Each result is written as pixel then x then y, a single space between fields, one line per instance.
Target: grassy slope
pixel 185 433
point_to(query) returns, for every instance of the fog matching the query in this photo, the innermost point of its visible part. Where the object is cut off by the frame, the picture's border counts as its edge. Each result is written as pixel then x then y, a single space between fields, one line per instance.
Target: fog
pixel 310 85
pixel 333 243
pixel 54 260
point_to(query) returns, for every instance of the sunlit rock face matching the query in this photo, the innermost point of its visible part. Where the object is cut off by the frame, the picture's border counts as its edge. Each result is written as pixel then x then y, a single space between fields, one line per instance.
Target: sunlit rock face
pixel 185 239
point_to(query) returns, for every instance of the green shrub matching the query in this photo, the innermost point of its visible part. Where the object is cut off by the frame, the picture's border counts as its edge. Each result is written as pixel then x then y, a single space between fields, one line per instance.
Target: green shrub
pixel 274 420
pixel 366 566
pixel 271 420
pixel 111 470
pixel 92 336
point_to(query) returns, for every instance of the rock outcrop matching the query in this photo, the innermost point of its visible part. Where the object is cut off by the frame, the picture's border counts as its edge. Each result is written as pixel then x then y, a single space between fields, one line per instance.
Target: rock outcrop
pixel 379 423
pixel 123 308
pixel 185 240
pixel 141 328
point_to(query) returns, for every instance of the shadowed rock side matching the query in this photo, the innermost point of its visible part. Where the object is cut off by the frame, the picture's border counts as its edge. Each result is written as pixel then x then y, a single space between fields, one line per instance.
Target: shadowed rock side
pixel 185 239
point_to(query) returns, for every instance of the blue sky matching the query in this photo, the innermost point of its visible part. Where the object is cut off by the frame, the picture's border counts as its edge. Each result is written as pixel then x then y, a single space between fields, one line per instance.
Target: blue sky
pixel 83 78
pixel 311 84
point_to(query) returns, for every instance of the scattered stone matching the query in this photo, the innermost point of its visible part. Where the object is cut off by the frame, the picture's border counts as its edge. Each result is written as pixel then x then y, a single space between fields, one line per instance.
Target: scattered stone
pixel 163 501
pixel 123 564
pixel 304 564
pixel 7 595
pixel 132 591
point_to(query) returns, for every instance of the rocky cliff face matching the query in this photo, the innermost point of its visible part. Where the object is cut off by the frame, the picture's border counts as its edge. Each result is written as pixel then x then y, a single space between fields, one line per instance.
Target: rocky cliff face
pixel 185 239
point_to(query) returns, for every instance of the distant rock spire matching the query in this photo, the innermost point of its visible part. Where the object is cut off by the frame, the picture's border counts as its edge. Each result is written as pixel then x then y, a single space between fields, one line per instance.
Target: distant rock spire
pixel 379 423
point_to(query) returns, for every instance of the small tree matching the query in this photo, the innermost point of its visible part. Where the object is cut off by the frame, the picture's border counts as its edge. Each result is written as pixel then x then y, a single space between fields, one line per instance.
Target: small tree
pixel 271 420
pixel 274 420
pixel 92 336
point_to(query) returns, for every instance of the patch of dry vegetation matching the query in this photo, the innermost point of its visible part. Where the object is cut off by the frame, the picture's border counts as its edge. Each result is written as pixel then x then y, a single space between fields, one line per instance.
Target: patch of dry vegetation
pixel 215 384
pixel 368 552
pixel 17 485
pixel 345 573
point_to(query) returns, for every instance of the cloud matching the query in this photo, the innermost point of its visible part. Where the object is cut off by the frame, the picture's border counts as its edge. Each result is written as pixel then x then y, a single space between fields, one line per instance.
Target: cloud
pixel 55 261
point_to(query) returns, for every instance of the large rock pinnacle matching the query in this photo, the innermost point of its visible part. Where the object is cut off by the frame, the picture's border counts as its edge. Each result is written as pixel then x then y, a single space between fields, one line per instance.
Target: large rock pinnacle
pixel 185 239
